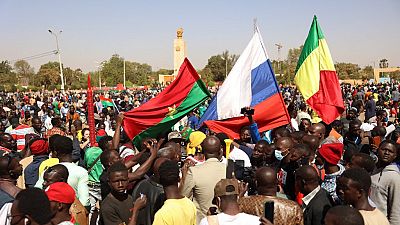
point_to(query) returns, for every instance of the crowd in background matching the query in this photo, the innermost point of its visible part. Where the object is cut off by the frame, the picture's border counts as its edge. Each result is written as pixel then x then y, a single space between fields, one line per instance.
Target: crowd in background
pixel 306 172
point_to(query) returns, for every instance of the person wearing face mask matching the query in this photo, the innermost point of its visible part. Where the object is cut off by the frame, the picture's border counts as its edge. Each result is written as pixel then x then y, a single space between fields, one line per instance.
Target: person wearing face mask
pixel 263 155
pixel 381 119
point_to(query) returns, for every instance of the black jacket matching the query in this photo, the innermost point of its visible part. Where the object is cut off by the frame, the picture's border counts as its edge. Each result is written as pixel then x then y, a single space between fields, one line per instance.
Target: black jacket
pixel 155 199
pixel 315 211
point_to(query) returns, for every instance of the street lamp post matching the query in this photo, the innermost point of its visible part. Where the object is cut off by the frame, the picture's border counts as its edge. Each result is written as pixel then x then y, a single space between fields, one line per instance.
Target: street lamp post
pixel 59 58
pixel 99 67
pixel 124 75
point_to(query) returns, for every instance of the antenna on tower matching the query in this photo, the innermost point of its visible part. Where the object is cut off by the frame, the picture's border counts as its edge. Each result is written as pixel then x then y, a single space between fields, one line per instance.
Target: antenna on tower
pixel 279 46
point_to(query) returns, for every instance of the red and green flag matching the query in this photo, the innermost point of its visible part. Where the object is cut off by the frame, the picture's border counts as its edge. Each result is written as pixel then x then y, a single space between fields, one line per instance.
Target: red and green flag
pixel 316 76
pixel 159 114
pixel 107 102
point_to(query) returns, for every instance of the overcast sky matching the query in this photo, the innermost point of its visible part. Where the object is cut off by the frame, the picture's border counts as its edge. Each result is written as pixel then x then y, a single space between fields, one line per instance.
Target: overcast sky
pixel 358 31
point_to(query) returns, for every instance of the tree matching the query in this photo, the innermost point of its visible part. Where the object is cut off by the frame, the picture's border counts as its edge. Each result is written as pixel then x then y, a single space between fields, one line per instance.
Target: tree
pixel 219 66
pixel 73 78
pixel 48 74
pixel 291 64
pixel 348 70
pixel 113 70
pixel 367 73
pixel 7 77
pixel 137 73
pixel 24 72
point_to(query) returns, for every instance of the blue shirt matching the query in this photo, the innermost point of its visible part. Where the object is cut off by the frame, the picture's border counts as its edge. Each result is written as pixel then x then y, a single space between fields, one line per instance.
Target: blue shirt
pixel 255 135
pixel 31 172
pixel 193 122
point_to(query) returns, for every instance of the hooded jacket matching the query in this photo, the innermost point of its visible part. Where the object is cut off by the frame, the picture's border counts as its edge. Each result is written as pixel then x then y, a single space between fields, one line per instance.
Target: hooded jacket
pixel 385 192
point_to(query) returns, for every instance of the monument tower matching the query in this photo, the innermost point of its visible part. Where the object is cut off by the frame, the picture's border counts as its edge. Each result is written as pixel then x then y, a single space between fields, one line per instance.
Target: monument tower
pixel 179 51
pixel 179 56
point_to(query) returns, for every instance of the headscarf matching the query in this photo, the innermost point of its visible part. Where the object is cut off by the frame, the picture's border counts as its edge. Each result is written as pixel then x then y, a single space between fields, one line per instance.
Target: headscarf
pixel 195 140
pixel 39 147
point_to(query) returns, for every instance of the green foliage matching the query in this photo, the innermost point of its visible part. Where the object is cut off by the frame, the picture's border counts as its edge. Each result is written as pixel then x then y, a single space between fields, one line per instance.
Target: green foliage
pixel 113 71
pixel 129 84
pixel 48 74
pixel 137 73
pixel 348 70
pixel 21 75
pixel 290 64
pixel 24 72
pixel 74 79
pixel 8 79
pixel 219 66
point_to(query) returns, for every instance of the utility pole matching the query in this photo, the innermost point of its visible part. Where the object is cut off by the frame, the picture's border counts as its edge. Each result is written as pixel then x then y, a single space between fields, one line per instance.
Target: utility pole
pixel 124 74
pixel 279 46
pixel 99 67
pixel 59 58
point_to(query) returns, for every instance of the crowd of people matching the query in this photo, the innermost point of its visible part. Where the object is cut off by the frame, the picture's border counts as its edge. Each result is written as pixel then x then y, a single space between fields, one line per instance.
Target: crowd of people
pixel 307 172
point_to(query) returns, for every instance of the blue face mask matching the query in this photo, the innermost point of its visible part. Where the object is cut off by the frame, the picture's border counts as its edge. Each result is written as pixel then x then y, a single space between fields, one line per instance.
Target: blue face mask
pixel 385 119
pixel 278 155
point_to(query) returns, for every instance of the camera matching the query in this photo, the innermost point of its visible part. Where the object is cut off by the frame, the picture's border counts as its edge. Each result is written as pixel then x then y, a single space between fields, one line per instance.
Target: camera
pixel 244 110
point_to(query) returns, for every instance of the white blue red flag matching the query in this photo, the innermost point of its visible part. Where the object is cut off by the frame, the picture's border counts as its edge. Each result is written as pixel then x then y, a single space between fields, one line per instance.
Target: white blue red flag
pixel 251 82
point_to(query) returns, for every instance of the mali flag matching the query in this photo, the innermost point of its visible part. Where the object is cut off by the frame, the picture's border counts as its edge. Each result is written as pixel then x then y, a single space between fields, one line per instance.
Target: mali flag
pixel 106 101
pixel 159 114
pixel 316 77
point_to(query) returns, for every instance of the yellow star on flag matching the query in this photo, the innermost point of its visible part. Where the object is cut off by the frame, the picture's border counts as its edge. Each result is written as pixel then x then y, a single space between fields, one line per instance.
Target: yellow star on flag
pixel 171 111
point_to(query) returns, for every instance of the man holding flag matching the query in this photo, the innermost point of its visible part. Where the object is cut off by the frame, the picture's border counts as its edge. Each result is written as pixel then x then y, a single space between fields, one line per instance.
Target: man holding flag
pixel 158 115
pixel 251 82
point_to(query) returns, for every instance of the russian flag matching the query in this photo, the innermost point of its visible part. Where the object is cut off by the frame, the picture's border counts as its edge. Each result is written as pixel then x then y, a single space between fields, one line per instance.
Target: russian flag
pixel 251 82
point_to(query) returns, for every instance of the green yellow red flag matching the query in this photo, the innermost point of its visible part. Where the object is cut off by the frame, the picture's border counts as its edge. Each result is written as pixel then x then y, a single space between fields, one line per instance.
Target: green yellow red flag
pixel 316 76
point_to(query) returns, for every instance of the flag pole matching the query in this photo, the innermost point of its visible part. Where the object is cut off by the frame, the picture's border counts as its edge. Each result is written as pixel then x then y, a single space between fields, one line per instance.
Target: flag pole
pixel 115 106
pixel 90 110
pixel 255 24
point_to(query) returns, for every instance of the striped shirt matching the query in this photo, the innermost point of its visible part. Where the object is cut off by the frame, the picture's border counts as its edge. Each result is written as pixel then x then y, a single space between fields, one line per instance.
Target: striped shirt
pixel 19 135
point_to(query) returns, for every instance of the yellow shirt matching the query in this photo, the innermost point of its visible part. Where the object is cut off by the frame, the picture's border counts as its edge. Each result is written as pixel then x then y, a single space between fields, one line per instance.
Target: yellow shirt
pixel 176 212
pixel 46 164
pixel 374 217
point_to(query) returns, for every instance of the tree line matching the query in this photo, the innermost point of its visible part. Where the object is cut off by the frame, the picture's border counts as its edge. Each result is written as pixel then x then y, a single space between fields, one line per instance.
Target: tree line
pixel 21 75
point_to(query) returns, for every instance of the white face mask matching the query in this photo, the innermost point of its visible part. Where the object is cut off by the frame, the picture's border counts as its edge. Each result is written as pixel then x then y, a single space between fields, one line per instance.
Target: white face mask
pixel 278 155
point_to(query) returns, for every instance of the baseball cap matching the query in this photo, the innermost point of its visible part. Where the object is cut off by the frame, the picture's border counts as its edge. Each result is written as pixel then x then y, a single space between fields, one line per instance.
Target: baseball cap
pixel 174 135
pixel 60 192
pixel 226 187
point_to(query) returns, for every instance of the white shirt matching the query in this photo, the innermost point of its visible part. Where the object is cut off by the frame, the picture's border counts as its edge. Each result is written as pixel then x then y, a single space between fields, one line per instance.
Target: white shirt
pixel 307 199
pixel 238 219
pixel 66 223
pixel 237 154
pixel 295 125
pixel 4 212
